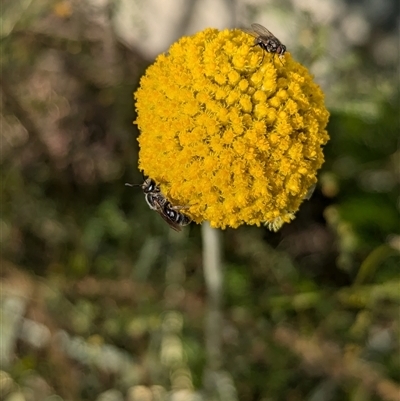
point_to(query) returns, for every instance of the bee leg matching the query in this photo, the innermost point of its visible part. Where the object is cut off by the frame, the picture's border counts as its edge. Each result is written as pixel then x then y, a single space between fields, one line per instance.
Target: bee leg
pixel 179 207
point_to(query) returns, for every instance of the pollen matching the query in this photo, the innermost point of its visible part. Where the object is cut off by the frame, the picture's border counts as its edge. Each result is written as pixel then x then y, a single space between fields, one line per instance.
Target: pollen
pixel 234 136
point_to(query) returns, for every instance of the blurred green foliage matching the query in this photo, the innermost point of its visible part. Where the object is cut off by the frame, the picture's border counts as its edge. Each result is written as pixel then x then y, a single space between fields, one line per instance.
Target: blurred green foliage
pixel 98 294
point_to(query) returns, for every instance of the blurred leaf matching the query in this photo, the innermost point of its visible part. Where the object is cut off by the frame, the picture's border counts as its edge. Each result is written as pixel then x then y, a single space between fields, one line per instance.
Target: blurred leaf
pixel 374 261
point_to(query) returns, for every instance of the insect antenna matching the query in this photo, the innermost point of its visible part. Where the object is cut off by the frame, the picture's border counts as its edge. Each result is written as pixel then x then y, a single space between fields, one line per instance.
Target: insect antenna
pixel 127 184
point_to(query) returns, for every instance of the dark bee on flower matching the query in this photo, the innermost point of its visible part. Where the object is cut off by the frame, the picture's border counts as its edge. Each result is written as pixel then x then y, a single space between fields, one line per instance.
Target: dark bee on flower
pixel 171 214
pixel 158 202
pixel 266 40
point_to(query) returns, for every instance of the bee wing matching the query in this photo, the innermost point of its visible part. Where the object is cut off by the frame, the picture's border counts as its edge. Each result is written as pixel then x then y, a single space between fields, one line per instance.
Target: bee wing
pixel 175 226
pixel 159 208
pixel 185 219
pixel 259 30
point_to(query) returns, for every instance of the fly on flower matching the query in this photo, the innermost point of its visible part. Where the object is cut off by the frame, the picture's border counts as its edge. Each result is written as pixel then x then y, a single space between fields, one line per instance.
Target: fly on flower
pixel 266 40
pixel 158 202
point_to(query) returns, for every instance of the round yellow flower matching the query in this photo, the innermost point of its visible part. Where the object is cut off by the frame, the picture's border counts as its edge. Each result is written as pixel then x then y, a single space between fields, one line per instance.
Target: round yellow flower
pixel 232 134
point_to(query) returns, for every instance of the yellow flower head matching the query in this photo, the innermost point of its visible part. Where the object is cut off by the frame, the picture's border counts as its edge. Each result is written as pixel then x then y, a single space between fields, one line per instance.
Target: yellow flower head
pixel 231 133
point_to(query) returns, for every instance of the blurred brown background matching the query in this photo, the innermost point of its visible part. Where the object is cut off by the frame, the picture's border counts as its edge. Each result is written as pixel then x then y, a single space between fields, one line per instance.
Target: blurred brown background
pixel 101 301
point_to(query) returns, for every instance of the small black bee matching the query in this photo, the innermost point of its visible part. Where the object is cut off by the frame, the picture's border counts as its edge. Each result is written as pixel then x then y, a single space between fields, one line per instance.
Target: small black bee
pixel 158 202
pixel 266 40
pixel 171 214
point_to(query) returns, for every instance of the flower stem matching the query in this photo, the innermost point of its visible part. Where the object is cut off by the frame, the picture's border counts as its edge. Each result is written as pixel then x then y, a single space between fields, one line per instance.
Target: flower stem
pixel 213 276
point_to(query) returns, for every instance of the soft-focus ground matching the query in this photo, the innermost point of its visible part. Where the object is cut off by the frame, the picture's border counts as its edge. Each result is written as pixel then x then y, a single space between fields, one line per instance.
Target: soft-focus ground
pixel 100 301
